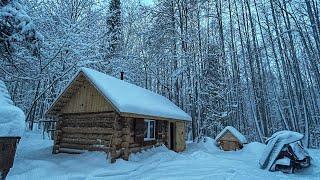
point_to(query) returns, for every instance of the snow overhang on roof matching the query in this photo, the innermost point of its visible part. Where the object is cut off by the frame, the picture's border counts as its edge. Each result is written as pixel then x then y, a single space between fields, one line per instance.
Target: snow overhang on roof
pixel 129 99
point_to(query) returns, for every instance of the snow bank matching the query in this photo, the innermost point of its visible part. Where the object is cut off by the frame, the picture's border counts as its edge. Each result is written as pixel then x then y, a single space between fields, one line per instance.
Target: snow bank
pixel 233 131
pixel 202 160
pixel 11 117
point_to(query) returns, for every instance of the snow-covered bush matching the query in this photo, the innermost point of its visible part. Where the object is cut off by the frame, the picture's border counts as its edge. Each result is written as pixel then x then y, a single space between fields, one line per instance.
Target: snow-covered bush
pixel 12 118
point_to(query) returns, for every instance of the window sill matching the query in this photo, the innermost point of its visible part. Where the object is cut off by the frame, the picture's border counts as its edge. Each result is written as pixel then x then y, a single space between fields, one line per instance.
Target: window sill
pixel 149 139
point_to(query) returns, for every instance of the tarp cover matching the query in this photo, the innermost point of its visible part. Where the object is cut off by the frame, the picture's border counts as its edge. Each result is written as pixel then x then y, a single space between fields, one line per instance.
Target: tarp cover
pixel 274 146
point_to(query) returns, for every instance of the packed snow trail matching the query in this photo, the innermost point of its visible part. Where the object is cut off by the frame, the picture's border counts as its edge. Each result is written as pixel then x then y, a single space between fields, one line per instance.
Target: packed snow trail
pixel 200 161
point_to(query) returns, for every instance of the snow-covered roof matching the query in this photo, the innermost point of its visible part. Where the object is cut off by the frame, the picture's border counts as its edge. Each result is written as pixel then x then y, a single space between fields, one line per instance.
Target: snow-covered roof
pixel 128 98
pixel 274 146
pixel 233 131
pixel 12 118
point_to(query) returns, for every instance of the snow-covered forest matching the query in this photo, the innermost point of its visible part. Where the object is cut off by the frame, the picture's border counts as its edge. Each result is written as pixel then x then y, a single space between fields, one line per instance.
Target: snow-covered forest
pixel 251 64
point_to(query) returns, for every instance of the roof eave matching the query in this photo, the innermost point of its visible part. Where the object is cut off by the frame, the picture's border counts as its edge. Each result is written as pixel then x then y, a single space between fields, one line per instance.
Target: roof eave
pixel 135 115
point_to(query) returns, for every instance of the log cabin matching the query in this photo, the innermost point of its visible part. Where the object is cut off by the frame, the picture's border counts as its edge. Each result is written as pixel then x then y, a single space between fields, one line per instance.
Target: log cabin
pixel 97 112
pixel 230 139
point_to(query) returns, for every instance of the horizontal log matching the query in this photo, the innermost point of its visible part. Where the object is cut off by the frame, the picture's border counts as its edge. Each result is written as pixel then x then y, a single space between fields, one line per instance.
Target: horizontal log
pixel 110 114
pixel 84 147
pixel 90 119
pixel 87 119
pixel 87 136
pixel 133 145
pixel 71 151
pixel 84 130
pixel 84 141
pixel 88 124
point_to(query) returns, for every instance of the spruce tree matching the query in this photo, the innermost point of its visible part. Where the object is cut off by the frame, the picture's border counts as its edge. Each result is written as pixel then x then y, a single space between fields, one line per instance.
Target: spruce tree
pixel 114 27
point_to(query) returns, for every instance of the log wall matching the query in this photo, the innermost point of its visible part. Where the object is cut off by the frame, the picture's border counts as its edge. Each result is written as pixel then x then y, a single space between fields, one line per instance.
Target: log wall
pixel 84 131
pixel 106 131
pixel 230 145
pixel 229 142
pixel 137 142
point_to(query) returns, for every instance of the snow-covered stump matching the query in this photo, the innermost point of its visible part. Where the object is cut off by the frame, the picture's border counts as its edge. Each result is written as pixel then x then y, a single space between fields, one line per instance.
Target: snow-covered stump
pixel 8 146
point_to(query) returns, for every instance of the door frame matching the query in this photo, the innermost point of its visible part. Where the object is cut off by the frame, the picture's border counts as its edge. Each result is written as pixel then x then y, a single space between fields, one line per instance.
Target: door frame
pixel 171 135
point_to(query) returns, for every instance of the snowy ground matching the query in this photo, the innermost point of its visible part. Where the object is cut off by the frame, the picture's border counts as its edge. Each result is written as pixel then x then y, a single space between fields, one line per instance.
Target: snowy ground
pixel 200 161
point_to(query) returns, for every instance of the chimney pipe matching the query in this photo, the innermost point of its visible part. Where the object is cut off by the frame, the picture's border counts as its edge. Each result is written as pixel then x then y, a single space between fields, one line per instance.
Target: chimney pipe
pixel 122 75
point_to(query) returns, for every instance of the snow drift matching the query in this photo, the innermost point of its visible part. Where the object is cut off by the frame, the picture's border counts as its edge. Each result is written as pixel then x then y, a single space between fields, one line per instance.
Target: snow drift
pixel 11 117
pixel 200 161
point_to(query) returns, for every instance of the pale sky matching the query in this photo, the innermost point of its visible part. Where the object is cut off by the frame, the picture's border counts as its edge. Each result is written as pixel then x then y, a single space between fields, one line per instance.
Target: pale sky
pixel 147 2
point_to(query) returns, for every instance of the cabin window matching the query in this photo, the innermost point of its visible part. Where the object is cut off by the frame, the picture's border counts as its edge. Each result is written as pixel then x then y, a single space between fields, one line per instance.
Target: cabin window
pixel 149 130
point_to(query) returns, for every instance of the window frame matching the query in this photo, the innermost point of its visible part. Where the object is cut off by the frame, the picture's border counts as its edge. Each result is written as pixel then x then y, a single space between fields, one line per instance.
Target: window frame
pixel 148 138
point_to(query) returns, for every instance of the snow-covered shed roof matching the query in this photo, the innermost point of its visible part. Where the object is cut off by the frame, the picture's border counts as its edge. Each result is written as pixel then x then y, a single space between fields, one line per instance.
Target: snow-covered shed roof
pixel 129 99
pixel 274 146
pixel 234 132
pixel 12 118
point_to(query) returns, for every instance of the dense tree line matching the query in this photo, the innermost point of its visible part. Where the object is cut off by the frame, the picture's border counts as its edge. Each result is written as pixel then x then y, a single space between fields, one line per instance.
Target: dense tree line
pixel 247 63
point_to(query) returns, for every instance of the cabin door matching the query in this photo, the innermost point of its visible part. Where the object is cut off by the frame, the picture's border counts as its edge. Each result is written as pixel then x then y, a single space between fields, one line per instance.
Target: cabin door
pixel 180 143
pixel 176 136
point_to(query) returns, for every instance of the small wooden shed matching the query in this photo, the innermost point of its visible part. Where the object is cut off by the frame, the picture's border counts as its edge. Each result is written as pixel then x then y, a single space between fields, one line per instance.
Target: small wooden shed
pixel 230 139
pixel 98 112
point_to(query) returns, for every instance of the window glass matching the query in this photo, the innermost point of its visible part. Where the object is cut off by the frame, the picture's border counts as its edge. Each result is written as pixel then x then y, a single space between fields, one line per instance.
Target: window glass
pixel 151 129
pixel 149 132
